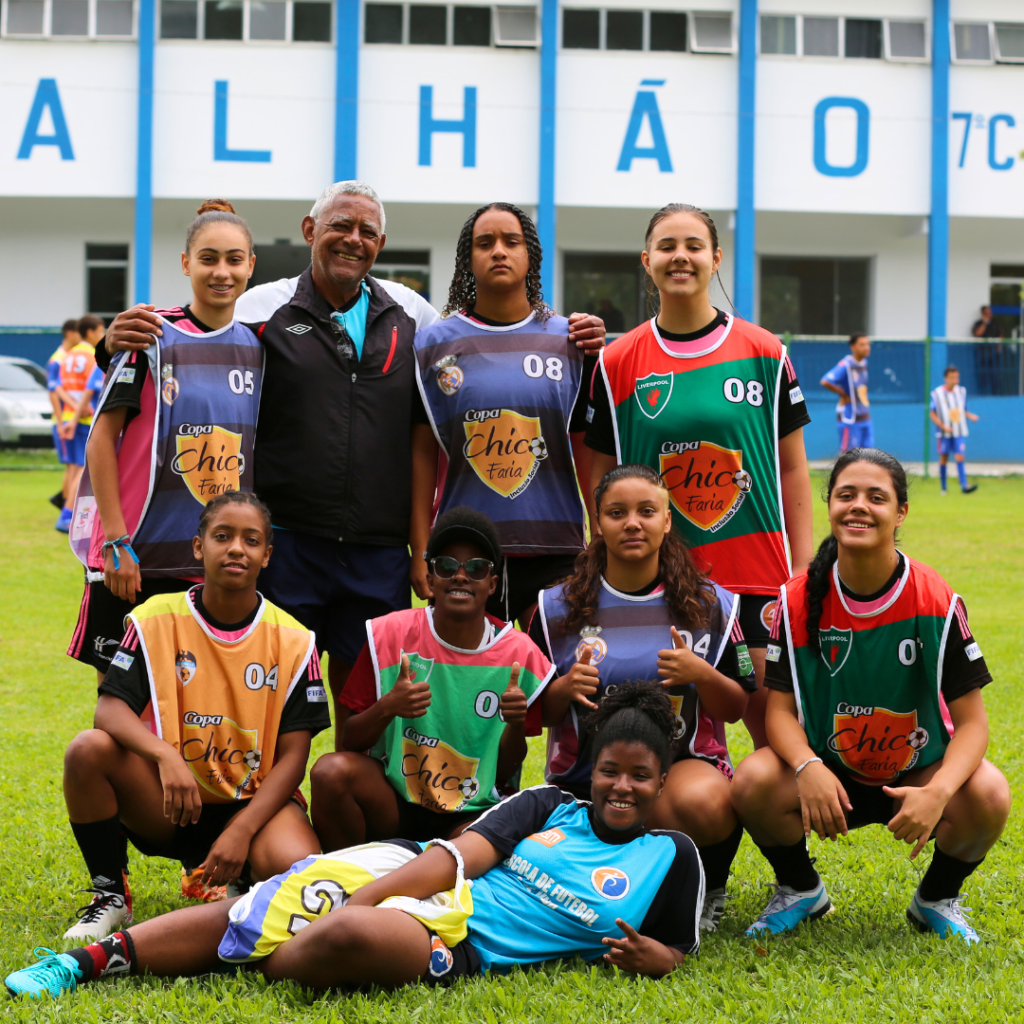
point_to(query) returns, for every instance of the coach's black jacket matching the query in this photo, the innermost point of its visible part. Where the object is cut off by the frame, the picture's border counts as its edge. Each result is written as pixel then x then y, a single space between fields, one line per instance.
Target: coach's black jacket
pixel 333 455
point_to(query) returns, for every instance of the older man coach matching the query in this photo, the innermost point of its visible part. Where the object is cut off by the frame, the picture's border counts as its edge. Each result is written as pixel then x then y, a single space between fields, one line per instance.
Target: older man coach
pixel 340 424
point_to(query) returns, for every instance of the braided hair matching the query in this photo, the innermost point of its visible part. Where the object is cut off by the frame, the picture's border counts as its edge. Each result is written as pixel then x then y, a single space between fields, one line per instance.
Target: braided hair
pixel 214 505
pixel 462 291
pixel 638 713
pixel 687 591
pixel 819 572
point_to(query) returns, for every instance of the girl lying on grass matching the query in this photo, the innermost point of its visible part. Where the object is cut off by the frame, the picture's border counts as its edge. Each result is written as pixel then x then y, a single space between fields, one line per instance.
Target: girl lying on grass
pixel 555 877
pixel 875 714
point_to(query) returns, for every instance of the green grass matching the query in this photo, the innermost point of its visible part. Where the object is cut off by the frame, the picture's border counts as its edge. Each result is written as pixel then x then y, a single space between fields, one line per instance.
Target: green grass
pixel 862 963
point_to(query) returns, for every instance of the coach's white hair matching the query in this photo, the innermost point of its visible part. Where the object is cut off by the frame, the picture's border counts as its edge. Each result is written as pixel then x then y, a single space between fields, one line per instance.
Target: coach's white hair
pixel 347 188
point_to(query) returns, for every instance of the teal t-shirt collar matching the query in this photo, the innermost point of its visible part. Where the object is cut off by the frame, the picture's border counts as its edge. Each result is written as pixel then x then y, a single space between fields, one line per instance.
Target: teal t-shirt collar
pixel 354 319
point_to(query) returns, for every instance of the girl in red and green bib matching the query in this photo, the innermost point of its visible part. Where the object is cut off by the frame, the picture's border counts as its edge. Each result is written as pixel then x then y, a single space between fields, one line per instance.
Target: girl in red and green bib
pixel 713 404
pixel 875 713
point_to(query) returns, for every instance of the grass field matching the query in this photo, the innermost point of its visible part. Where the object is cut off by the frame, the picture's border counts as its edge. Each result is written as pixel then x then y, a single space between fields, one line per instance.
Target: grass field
pixel 862 963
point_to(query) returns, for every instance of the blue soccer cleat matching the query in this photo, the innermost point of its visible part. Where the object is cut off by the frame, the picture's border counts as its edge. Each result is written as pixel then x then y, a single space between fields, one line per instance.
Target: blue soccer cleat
pixel 943 917
pixel 63 524
pixel 787 908
pixel 55 973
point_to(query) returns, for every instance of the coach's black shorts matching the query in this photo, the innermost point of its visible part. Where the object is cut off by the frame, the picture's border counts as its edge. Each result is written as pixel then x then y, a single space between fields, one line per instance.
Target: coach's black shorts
pixel 332 587
pixel 421 824
pixel 100 626
pixel 756 614
pixel 521 577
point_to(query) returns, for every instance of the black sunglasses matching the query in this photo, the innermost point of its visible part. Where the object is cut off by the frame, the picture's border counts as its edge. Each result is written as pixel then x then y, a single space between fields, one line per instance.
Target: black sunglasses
pixel 445 567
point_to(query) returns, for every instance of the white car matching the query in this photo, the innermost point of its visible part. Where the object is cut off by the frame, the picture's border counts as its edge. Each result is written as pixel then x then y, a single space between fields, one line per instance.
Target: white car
pixel 26 415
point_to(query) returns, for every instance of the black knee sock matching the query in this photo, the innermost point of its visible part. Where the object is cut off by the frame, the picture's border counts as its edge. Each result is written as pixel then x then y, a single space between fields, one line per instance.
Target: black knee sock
pixel 945 877
pixel 103 846
pixel 792 865
pixel 718 857
pixel 113 955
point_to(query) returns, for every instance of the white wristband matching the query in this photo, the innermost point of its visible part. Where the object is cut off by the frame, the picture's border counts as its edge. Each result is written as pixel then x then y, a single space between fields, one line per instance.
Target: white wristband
pixel 801 767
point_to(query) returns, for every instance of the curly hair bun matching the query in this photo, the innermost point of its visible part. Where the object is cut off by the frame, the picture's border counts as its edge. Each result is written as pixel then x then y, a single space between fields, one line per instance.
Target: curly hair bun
pixel 639 712
pixel 215 204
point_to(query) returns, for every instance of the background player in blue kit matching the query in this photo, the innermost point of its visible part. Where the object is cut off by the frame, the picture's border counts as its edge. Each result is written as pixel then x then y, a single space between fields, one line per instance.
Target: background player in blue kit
pixel 555 877
pixel 949 413
pixel 849 380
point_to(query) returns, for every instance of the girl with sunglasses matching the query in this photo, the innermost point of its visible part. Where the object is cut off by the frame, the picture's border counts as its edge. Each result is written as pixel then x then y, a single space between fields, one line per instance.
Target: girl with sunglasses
pixel 433 764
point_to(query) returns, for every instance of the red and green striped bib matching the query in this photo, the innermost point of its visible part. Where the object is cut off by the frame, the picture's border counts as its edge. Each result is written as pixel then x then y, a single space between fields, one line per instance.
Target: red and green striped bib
pixel 870 700
pixel 446 760
pixel 707 421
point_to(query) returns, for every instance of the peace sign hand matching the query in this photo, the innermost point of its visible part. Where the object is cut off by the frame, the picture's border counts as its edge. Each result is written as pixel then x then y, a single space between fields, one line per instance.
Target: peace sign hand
pixel 513 701
pixel 638 954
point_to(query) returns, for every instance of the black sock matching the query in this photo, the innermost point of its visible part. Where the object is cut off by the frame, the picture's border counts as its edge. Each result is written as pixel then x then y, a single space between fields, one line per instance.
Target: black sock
pixel 113 955
pixel 945 877
pixel 792 865
pixel 718 857
pixel 103 846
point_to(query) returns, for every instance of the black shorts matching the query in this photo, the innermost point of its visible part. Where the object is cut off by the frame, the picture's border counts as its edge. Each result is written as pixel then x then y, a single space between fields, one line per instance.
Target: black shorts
pixel 190 843
pixel 756 614
pixel 448 963
pixel 871 806
pixel 421 825
pixel 333 587
pixel 101 616
pixel 520 577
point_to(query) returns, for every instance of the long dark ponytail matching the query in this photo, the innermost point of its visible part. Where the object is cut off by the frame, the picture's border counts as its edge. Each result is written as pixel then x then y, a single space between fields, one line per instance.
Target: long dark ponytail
pixel 819 571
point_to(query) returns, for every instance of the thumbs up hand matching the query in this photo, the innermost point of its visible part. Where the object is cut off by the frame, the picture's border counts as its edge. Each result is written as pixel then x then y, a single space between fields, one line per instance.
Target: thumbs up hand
pixel 408 699
pixel 582 680
pixel 680 665
pixel 513 701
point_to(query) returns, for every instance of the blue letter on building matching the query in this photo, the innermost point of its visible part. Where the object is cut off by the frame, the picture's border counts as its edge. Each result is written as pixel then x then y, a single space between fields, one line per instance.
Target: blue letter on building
pixel 645 105
pixel 220 132
pixel 466 127
pixel 997 119
pixel 860 161
pixel 46 96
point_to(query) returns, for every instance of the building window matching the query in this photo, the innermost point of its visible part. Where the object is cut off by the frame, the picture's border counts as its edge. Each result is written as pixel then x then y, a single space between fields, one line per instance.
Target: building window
pixel 68 19
pixel 1009 43
pixel 799 35
pixel 106 278
pixel 410 267
pixel 441 25
pixel 608 284
pixel 664 31
pixel 814 296
pixel 300 21
pixel 972 42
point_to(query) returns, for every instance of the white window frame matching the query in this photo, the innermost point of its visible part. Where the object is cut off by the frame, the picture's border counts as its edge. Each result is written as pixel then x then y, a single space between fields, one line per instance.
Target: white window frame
pixel 289 25
pixel 907 60
pixel 691 34
pixel 954 59
pixel 995 50
pixel 799 35
pixel 47 27
pixel 496 39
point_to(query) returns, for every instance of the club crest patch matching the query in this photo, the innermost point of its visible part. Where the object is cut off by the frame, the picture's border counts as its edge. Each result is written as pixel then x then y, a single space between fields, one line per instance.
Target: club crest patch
pixel 505 449
pixel 611 883
pixel 706 482
pixel 185 667
pixel 653 392
pixel 835 647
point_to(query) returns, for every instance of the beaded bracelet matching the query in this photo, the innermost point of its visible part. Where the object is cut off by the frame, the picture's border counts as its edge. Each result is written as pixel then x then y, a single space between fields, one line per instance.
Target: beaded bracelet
pixel 123 541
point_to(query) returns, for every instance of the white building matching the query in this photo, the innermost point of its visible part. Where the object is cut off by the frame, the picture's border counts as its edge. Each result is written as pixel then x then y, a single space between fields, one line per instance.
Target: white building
pixel 837 143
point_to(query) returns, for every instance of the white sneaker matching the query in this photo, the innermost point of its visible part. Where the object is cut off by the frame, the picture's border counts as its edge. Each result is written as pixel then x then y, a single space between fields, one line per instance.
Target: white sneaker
pixel 787 908
pixel 104 914
pixel 943 917
pixel 714 907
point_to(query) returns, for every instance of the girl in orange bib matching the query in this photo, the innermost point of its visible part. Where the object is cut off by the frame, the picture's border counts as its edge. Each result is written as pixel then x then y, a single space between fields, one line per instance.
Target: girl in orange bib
pixel 237 697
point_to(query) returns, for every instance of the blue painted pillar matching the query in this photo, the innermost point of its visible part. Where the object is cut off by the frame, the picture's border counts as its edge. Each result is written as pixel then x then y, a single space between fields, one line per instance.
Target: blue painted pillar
pixel 938 227
pixel 346 89
pixel 143 244
pixel 546 211
pixel 745 238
